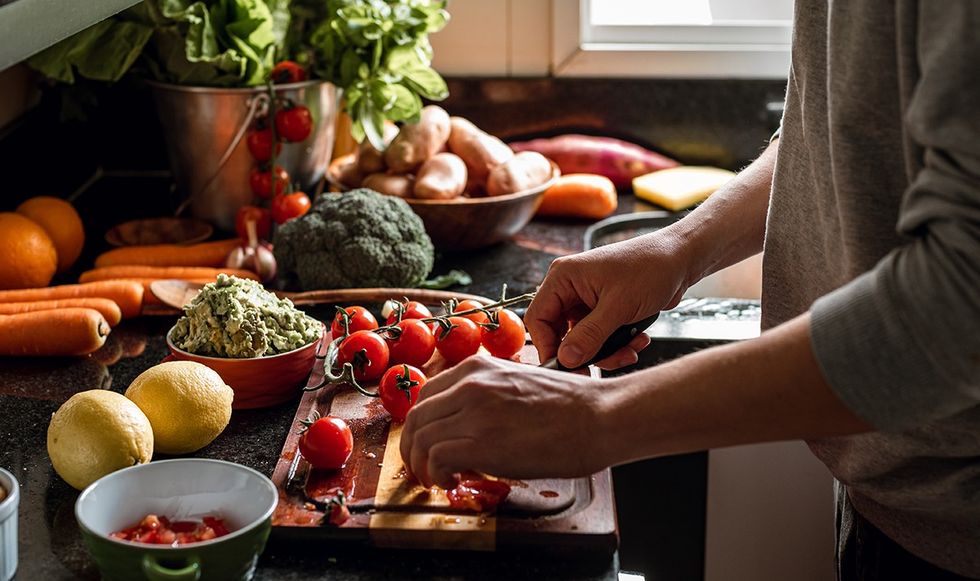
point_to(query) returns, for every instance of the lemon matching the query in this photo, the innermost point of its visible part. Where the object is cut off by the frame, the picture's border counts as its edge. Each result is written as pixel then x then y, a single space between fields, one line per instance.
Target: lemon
pixel 97 432
pixel 187 404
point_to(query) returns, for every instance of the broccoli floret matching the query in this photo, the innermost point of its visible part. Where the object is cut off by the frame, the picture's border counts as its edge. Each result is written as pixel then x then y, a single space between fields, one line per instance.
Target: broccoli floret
pixel 356 239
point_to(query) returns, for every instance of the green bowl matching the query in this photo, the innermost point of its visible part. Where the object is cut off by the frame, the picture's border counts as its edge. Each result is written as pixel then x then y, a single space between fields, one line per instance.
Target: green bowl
pixel 178 489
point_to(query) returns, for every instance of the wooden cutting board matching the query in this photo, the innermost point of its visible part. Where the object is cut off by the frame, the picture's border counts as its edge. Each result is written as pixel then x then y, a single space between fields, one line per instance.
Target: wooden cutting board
pixel 389 510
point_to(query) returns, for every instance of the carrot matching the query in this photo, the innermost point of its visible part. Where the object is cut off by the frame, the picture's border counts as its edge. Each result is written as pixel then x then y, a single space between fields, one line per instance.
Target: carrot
pixel 127 294
pixel 156 272
pixel 580 196
pixel 106 307
pixel 151 299
pixel 71 331
pixel 203 254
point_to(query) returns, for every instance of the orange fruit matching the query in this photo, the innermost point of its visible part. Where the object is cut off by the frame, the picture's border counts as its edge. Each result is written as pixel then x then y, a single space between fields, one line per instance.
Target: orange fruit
pixel 27 255
pixel 60 220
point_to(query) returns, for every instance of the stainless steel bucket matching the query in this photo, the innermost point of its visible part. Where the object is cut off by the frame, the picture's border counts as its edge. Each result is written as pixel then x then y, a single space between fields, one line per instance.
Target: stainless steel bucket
pixel 200 125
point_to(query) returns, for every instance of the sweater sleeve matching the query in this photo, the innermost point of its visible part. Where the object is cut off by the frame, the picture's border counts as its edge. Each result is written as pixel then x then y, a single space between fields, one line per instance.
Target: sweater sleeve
pixel 900 345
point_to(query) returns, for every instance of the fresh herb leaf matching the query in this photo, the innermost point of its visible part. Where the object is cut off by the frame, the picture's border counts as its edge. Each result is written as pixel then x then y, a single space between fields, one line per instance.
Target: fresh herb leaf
pixel 451 278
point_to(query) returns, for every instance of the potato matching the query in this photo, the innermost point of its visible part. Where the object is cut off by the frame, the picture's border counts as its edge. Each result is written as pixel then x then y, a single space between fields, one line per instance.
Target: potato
pixel 479 150
pixel 399 185
pixel 525 170
pixel 369 159
pixel 348 174
pixel 418 142
pixel 441 178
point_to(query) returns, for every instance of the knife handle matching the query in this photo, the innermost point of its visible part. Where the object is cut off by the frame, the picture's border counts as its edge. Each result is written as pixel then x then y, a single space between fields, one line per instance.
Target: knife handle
pixel 620 338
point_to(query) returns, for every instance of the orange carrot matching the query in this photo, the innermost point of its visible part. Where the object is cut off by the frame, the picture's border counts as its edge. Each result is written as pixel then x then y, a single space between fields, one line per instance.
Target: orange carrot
pixel 150 299
pixel 70 331
pixel 106 307
pixel 158 272
pixel 127 294
pixel 203 254
pixel 580 195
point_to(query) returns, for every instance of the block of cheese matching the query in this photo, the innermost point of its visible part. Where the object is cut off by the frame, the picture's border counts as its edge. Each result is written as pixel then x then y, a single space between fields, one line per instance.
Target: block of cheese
pixel 680 187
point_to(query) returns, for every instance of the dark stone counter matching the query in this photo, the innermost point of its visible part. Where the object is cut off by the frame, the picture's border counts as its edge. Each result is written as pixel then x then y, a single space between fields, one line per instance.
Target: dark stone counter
pixel 32 389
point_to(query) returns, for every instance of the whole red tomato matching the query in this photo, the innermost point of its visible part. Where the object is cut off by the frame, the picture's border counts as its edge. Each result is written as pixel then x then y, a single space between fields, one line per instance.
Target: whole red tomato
pixel 259 143
pixel 506 337
pixel 367 352
pixel 358 319
pixel 469 304
pixel 327 443
pixel 261 181
pixel 414 344
pixel 285 207
pixel 287 72
pixel 410 310
pixel 399 389
pixel 460 341
pixel 261 217
pixel 294 123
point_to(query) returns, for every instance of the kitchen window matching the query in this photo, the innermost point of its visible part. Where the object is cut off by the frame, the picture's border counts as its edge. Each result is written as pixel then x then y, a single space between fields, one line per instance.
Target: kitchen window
pixel 665 38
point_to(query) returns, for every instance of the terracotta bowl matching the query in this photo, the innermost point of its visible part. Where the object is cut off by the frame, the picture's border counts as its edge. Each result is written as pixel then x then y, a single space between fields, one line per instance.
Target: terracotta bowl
pixel 466 223
pixel 159 231
pixel 259 382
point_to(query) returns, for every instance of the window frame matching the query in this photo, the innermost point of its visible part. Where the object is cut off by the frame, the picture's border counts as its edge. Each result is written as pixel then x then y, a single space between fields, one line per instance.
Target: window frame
pixel 672 51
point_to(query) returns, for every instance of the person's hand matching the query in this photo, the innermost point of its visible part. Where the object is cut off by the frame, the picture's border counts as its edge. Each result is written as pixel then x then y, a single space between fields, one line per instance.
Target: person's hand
pixel 506 419
pixel 599 291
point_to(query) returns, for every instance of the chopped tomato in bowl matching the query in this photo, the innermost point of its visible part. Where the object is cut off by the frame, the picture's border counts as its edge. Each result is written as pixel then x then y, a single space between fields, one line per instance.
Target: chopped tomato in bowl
pixel 160 530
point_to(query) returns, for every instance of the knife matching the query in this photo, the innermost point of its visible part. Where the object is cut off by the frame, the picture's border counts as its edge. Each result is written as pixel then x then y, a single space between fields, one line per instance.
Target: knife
pixel 620 338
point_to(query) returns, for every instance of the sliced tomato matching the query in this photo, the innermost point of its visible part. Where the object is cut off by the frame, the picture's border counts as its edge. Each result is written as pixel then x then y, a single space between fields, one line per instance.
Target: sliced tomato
pixel 477 493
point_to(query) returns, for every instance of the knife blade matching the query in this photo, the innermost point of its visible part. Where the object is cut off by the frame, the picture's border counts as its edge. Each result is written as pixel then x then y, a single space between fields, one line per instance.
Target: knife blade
pixel 620 338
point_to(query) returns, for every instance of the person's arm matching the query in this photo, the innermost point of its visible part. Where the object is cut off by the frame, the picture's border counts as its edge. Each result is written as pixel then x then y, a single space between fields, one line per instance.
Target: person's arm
pixel 624 282
pixel 517 421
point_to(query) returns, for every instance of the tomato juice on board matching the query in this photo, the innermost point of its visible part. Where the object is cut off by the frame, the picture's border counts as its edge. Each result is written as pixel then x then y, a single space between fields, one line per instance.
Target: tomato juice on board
pixel 161 531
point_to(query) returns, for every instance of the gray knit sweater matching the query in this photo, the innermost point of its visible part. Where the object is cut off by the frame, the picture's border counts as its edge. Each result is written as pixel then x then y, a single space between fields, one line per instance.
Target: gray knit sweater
pixel 874 225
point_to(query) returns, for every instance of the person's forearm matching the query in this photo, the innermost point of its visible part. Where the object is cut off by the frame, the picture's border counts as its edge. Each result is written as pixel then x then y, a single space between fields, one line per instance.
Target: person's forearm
pixel 731 224
pixel 762 390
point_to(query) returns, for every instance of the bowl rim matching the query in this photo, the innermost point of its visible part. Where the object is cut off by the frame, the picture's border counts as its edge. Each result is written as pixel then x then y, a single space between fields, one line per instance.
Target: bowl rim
pixel 206 231
pixel 460 200
pixel 10 502
pixel 163 85
pixel 266 514
pixel 176 349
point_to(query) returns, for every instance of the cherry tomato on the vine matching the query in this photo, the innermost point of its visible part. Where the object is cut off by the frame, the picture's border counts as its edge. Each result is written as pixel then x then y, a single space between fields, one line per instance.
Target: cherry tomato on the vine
pixel 505 338
pixel 399 389
pixel 461 341
pixel 261 217
pixel 359 319
pixel 410 310
pixel 367 352
pixel 414 345
pixel 294 123
pixel 327 443
pixel 261 181
pixel 287 72
pixel 469 304
pixel 259 143
pixel 285 207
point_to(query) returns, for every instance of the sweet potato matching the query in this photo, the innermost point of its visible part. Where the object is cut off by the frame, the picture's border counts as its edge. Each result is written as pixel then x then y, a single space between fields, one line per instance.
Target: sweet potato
pixel 369 159
pixel 417 142
pixel 442 177
pixel 399 185
pixel 479 150
pixel 618 160
pixel 580 196
pixel 525 170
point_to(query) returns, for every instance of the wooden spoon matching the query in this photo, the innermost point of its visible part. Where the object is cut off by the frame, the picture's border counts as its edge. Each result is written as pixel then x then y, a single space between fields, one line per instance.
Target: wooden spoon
pixel 178 293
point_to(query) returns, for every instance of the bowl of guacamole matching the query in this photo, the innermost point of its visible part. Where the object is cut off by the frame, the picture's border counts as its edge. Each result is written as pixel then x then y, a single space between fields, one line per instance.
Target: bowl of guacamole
pixel 261 345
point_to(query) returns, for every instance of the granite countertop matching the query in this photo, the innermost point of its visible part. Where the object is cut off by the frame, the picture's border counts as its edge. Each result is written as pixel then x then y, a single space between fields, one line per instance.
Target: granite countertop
pixel 32 389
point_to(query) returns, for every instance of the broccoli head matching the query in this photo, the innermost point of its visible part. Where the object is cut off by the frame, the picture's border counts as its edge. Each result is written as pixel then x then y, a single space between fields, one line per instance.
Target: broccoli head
pixel 356 239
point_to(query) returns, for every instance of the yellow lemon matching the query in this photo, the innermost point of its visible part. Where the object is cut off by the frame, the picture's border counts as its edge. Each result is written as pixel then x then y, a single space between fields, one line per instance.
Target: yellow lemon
pixel 187 404
pixel 97 432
